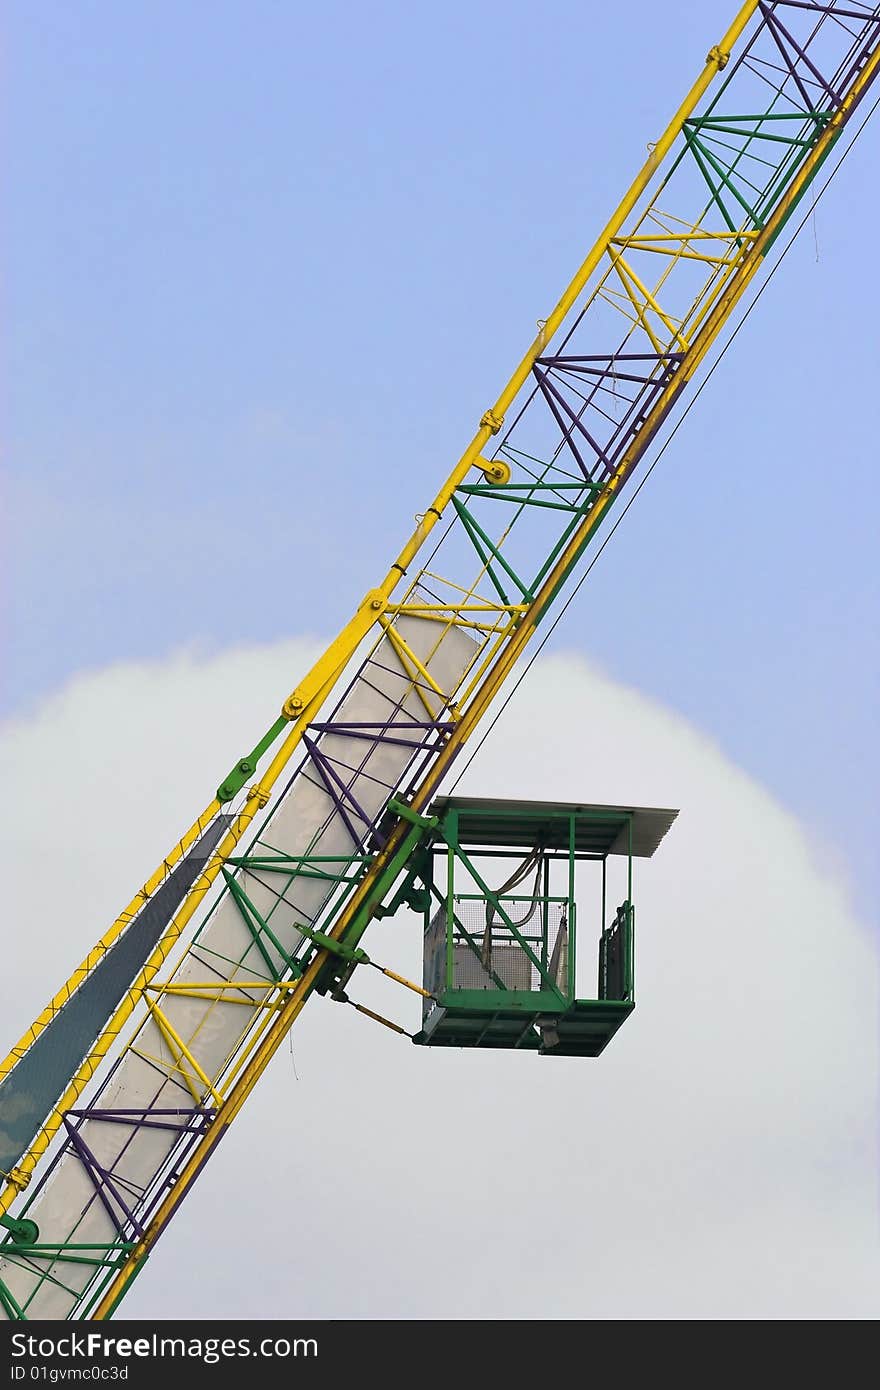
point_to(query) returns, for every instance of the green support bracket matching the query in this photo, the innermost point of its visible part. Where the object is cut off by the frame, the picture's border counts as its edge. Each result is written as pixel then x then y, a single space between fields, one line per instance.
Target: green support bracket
pixel 25 1232
pixel 405 812
pixel 245 767
pixel 347 949
pixel 408 894
pixel 337 948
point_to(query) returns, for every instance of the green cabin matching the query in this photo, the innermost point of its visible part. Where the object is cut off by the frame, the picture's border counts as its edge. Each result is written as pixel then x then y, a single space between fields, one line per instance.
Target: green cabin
pixel 501 929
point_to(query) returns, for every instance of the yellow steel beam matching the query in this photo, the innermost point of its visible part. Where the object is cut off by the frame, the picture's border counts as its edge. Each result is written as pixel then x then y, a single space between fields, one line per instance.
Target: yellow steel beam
pixel 412 663
pixel 180 1051
pixel 631 281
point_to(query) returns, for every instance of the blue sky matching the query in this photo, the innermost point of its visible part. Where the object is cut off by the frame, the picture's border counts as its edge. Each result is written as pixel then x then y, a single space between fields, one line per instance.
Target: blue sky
pixel 267 264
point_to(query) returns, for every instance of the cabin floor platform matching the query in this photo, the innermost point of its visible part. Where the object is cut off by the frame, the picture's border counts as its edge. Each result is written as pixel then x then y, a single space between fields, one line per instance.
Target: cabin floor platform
pixel 584 1029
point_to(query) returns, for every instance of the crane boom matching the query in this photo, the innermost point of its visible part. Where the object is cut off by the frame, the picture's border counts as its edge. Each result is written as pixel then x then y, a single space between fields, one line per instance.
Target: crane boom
pixel 264 901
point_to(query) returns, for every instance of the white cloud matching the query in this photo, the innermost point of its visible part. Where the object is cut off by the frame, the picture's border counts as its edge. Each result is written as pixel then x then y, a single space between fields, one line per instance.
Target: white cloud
pixel 718 1161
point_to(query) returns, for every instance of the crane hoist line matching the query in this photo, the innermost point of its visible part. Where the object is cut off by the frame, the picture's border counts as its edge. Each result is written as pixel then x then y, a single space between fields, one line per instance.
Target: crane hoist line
pixel 117 1095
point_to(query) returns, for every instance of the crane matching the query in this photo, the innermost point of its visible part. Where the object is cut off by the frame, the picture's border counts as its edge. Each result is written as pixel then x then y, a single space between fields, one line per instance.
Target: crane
pixel 117 1095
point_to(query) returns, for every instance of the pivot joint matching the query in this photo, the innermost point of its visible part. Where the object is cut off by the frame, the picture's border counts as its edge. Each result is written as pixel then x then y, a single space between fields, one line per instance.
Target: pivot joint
pixel 23 1230
pixel 293 706
pixel 233 784
pixel 376 601
pixel 495 470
